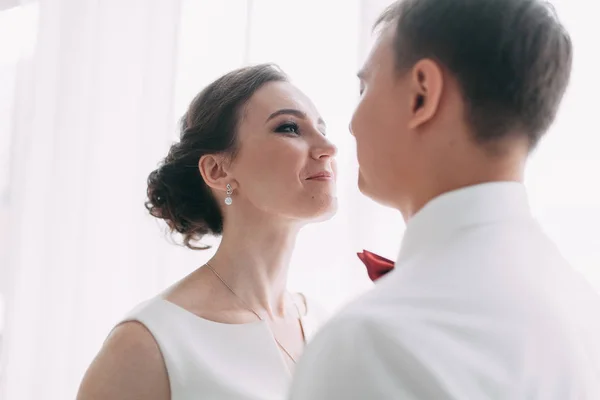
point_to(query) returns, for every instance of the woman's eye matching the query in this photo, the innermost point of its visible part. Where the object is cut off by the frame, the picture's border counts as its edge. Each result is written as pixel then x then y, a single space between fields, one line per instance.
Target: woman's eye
pixel 288 128
pixel 361 86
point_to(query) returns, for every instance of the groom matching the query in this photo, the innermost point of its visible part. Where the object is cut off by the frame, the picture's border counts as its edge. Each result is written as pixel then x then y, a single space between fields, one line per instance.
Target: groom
pixel 481 305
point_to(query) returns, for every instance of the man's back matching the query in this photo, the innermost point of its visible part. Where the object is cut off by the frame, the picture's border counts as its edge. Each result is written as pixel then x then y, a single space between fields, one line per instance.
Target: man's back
pixel 481 306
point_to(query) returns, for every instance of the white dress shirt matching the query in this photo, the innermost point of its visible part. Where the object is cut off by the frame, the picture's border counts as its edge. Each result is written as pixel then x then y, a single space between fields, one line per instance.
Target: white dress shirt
pixel 481 305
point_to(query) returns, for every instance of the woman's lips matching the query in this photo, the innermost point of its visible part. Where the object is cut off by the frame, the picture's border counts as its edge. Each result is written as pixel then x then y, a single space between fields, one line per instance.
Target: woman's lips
pixel 321 176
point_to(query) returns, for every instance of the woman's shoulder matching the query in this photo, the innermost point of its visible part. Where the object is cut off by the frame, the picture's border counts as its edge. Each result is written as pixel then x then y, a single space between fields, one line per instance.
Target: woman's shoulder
pixel 150 308
pixel 129 365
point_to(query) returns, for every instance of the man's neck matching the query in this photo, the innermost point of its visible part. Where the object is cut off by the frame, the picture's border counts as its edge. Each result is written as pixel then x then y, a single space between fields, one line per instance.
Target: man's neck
pixel 464 173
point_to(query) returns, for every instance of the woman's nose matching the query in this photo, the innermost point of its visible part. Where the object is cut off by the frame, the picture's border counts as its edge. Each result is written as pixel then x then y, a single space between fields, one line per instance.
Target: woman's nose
pixel 324 149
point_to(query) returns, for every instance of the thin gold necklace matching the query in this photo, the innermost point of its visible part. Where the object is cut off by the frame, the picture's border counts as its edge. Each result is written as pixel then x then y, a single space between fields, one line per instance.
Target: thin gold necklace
pixel 255 313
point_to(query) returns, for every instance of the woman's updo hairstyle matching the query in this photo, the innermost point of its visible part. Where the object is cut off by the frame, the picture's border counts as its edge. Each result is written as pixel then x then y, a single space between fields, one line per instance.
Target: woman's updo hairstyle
pixel 176 191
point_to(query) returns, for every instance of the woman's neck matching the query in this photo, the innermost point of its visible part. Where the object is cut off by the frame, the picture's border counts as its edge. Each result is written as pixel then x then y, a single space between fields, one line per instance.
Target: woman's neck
pixel 253 259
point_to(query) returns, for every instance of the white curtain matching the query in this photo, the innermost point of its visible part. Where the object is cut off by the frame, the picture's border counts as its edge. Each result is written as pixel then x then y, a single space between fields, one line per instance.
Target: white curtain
pixel 92 114
pixel 96 106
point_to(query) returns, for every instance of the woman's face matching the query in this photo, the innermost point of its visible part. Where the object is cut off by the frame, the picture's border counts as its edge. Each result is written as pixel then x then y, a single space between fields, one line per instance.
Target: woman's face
pixel 285 165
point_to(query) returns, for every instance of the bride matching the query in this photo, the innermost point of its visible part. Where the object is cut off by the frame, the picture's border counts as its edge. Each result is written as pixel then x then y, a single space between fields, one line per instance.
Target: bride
pixel 254 165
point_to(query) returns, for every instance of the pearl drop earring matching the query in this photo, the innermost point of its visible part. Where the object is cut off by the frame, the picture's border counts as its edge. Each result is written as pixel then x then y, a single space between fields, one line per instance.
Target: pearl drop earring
pixel 228 199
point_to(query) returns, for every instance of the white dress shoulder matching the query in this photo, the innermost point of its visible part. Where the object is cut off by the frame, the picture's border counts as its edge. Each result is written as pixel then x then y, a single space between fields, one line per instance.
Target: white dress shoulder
pixel 210 360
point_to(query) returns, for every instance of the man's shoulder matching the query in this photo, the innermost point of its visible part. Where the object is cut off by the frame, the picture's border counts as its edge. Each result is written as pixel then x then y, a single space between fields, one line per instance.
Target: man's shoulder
pixel 373 311
pixel 349 335
pixel 345 359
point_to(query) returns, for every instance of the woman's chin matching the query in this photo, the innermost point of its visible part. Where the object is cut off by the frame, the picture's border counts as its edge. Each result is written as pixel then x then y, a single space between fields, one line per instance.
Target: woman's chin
pixel 313 208
pixel 324 209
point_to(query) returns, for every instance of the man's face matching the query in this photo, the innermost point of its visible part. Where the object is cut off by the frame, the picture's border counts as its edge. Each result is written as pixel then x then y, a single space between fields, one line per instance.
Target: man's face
pixel 380 126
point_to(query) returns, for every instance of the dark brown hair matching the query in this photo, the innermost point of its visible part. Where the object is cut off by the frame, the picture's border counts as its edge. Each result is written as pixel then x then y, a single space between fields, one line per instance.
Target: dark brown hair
pixel 512 58
pixel 176 191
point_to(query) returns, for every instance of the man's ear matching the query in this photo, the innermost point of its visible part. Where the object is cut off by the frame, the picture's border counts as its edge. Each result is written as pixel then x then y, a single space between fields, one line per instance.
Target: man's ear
pixel 214 172
pixel 427 84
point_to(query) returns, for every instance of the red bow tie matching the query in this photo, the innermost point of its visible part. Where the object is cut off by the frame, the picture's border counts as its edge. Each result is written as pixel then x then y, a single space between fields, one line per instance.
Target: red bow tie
pixel 377 266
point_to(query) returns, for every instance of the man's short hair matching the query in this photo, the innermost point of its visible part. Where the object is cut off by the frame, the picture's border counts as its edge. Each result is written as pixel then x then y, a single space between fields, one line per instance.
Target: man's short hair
pixel 511 58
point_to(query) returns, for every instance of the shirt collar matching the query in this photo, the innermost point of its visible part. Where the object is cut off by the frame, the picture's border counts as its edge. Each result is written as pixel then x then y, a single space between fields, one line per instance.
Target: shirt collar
pixel 474 205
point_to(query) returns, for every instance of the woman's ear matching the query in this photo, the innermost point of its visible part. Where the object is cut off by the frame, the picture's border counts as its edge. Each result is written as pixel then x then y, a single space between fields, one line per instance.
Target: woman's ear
pixel 213 171
pixel 427 84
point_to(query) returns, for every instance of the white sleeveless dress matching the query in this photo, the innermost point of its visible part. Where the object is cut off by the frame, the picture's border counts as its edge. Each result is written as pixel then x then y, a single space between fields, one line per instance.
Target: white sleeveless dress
pixel 209 360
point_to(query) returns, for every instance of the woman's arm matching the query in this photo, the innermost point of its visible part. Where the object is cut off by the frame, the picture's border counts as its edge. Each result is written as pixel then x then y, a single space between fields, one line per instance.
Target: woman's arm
pixel 129 366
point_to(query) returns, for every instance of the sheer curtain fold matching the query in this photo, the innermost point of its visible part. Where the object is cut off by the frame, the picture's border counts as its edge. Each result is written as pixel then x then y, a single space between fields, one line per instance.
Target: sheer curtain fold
pixel 93 114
